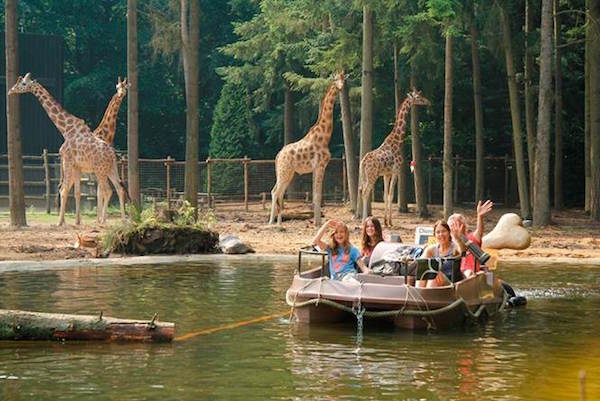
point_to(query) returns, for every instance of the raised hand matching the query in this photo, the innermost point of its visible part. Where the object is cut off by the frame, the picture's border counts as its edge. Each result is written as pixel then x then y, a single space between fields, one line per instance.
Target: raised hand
pixel 484 208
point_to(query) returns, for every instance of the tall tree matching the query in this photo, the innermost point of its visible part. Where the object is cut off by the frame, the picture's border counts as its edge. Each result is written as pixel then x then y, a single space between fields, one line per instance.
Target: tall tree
pixel 586 114
pixel 541 192
pixel 420 197
pixel 593 36
pixel 351 162
pixel 366 99
pixel 190 14
pixel 13 134
pixel 448 201
pixel 529 93
pixel 515 113
pixel 402 179
pixel 478 108
pixel 558 106
pixel 133 172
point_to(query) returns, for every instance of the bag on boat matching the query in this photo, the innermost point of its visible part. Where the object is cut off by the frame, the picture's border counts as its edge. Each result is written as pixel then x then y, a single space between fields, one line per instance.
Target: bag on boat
pixel 395 262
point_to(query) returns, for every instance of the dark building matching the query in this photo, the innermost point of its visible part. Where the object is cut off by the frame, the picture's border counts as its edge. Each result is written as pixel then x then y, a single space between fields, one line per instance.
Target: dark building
pixel 43 56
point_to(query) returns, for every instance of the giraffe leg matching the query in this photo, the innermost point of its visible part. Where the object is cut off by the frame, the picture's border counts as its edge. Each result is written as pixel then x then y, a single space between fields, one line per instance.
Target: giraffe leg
pixel 386 190
pixel 118 184
pixel 391 196
pixel 318 174
pixel 67 183
pixel 106 194
pixel 77 195
pixel 365 195
pixel 99 200
pixel 277 193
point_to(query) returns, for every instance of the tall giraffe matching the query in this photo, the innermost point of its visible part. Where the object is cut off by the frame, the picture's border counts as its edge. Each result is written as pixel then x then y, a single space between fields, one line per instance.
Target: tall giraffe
pixel 81 152
pixel 106 131
pixel 107 127
pixel 308 155
pixel 386 159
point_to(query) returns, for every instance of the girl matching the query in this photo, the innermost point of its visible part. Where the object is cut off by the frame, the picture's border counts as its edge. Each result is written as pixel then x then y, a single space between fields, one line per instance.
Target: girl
pixel 444 248
pixel 343 257
pixel 370 237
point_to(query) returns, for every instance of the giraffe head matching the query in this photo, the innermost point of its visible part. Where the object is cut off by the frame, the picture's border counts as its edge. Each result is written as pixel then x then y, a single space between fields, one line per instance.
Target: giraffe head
pixel 122 86
pixel 418 99
pixel 339 80
pixel 23 85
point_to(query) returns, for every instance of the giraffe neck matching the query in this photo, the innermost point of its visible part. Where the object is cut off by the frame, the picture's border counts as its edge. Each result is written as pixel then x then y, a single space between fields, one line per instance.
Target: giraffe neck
pixel 62 119
pixel 107 127
pixel 397 135
pixel 325 120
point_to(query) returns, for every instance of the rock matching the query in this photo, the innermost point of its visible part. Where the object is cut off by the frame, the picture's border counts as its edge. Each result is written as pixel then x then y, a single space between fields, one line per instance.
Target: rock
pixel 509 233
pixel 231 244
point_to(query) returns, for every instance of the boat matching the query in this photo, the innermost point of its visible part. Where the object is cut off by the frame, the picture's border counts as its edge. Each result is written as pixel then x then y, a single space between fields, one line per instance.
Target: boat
pixel 315 298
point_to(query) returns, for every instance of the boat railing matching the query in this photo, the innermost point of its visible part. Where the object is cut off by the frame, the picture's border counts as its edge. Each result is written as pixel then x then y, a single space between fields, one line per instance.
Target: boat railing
pixel 309 250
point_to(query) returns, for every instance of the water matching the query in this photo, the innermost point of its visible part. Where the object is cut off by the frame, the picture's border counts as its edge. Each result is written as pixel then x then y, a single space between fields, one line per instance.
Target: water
pixel 533 353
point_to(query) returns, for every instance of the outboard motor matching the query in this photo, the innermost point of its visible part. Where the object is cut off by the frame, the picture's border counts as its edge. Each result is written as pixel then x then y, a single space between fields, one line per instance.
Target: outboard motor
pixel 514 300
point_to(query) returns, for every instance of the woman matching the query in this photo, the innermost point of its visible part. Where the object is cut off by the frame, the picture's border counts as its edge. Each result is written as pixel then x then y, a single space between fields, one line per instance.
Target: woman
pixel 444 248
pixel 372 235
pixel 343 257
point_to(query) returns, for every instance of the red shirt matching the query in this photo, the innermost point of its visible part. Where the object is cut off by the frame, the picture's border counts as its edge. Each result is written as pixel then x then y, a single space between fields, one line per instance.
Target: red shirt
pixel 468 262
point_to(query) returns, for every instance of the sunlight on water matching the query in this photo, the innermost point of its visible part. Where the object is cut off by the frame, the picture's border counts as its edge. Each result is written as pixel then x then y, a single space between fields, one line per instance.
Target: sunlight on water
pixel 531 353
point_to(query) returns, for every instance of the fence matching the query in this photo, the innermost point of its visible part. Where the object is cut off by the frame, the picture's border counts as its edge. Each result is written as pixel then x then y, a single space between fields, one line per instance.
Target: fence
pixel 246 180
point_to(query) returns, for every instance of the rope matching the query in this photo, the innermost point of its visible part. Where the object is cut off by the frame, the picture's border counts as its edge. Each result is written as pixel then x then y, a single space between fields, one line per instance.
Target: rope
pixel 229 326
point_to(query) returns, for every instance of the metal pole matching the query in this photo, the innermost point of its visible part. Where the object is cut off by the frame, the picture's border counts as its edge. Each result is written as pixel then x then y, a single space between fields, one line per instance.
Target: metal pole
pixel 208 183
pixel 168 165
pixel 246 160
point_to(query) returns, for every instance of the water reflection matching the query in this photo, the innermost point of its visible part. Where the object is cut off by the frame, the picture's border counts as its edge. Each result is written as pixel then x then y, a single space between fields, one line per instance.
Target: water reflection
pixel 531 353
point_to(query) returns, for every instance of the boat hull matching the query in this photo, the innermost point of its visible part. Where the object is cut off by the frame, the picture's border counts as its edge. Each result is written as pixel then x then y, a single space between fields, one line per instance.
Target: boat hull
pixel 315 299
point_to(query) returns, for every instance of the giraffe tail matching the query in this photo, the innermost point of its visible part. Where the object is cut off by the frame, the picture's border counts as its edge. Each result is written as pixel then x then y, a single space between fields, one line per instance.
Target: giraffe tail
pixel 125 191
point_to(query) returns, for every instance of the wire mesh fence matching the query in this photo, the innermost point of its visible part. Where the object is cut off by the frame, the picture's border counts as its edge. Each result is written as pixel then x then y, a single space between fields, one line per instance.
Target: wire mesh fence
pixel 246 180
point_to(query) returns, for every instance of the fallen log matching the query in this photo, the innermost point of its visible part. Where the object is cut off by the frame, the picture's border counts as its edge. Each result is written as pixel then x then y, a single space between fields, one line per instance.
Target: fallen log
pixel 23 325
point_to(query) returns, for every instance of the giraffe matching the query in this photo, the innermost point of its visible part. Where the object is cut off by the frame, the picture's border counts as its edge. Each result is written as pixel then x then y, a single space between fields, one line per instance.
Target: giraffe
pixel 308 155
pixel 81 152
pixel 106 131
pixel 386 160
pixel 107 127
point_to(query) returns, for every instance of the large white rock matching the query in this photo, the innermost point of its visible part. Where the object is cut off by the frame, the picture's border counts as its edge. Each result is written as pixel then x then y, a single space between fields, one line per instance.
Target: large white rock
pixel 509 233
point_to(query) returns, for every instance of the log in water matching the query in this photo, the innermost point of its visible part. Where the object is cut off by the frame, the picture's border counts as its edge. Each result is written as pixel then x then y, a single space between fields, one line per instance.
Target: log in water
pixel 23 325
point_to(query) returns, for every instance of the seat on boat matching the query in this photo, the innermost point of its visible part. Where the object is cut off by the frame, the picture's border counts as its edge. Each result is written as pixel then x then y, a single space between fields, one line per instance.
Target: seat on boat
pixel 427 268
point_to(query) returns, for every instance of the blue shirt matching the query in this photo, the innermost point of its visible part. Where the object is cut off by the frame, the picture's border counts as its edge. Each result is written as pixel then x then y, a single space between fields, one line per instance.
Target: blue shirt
pixel 343 263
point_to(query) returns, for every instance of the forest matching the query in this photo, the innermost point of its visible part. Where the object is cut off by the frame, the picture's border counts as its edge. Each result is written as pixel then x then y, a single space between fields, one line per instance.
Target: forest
pixel 504 77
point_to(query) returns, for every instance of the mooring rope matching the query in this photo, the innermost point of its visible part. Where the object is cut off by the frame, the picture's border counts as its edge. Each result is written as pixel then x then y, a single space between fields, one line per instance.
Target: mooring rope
pixel 230 326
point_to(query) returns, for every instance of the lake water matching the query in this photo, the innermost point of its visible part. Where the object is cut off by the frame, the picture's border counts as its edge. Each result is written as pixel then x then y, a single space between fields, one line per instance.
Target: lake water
pixel 532 353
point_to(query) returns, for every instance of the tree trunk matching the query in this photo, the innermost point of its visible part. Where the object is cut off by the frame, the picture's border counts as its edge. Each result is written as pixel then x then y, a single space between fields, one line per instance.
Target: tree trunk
pixel 22 325
pixel 558 140
pixel 586 129
pixel 529 94
pixel 541 193
pixel 351 162
pixel 479 132
pixel 133 153
pixel 13 130
pixel 288 116
pixel 420 197
pixel 593 36
pixel 190 40
pixel 366 99
pixel 448 201
pixel 402 179
pixel 515 113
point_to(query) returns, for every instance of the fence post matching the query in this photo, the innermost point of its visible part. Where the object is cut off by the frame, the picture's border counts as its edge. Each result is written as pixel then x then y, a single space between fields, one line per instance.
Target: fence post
pixel 46 179
pixel 246 160
pixel 455 189
pixel 168 165
pixel 208 182
pixel 344 180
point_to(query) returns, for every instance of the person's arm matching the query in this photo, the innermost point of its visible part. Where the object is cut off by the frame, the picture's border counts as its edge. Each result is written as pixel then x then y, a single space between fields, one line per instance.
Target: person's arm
pixel 482 210
pixel 361 265
pixel 456 229
pixel 317 239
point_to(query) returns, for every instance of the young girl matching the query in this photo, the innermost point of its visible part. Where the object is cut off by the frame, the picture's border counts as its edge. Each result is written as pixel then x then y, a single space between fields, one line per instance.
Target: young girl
pixel 444 248
pixel 343 257
pixel 370 237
